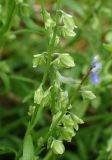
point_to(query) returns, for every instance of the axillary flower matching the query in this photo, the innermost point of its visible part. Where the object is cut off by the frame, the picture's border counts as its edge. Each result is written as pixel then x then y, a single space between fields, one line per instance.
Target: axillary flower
pixel 95 67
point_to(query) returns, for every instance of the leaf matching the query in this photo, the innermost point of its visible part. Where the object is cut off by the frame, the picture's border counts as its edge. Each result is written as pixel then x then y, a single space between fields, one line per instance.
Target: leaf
pixel 6 81
pixel 108 47
pixel 28 148
pixel 11 6
pixel 75 6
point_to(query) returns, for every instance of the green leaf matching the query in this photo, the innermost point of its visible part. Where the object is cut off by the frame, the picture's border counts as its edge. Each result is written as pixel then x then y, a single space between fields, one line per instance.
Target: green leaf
pixel 28 148
pixel 108 47
pixel 109 146
pixel 11 7
pixel 74 6
pixel 108 37
pixel 6 81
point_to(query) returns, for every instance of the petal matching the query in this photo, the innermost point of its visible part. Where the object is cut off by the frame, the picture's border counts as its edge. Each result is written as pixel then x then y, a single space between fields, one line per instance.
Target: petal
pixel 95 79
pixel 97 68
pixel 95 59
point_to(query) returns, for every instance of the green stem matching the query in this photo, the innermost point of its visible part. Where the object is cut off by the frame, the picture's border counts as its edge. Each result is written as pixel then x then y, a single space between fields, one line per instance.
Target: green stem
pixel 52 129
pixel 36 116
pixel 84 78
pixel 49 155
pixel 20 78
pixel 82 82
pixel 51 45
pixel 39 108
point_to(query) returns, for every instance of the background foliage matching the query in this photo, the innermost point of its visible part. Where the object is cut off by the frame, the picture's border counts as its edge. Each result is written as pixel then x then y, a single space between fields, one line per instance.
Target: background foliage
pixel 21 36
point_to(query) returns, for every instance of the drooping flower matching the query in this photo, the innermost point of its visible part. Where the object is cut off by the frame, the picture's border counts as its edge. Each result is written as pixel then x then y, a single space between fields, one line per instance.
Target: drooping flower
pixel 95 68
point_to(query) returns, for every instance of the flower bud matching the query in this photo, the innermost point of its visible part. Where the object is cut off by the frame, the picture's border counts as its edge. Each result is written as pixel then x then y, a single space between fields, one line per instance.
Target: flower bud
pixel 49 23
pixel 39 59
pixel 56 116
pixel 31 110
pixel 46 98
pixel 67 32
pixel 66 60
pixel 76 119
pixel 38 96
pixel 67 133
pixel 68 28
pixel 68 21
pixel 57 146
pixel 67 121
pixel 88 95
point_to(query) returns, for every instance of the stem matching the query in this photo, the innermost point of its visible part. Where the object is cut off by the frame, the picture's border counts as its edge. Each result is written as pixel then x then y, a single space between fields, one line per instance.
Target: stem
pixel 52 129
pixel 49 155
pixel 84 78
pixel 36 116
pixel 39 108
pixel 52 44
pixel 82 82
pixel 21 78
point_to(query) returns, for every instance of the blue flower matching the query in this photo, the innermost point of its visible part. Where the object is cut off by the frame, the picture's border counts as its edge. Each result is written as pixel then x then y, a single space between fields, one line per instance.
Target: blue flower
pixel 95 68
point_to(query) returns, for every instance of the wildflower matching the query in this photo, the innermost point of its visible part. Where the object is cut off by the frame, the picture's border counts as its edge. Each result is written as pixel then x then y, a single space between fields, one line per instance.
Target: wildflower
pixel 95 67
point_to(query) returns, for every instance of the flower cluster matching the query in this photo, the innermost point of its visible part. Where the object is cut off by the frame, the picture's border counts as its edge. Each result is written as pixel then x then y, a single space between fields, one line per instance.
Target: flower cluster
pixel 63 121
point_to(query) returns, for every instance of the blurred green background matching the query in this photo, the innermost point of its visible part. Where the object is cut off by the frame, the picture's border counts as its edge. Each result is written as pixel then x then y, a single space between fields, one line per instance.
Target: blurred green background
pixel 22 36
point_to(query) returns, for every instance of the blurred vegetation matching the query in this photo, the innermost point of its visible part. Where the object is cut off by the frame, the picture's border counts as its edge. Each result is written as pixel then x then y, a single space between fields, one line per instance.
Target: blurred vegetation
pixel 21 36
